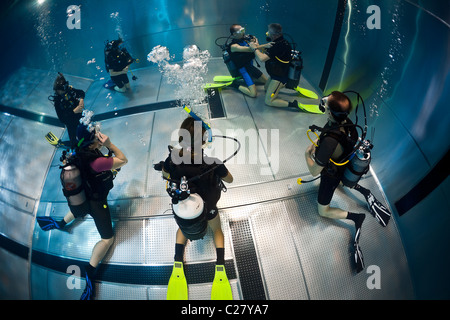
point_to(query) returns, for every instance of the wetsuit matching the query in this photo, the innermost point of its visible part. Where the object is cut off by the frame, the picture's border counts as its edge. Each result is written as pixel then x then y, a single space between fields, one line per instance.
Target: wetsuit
pixel 335 145
pixel 64 105
pixel 117 59
pixel 98 179
pixel 244 63
pixel 280 55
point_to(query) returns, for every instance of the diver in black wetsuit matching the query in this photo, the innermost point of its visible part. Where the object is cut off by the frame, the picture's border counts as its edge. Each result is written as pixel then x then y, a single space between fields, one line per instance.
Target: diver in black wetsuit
pixel 117 62
pixel 277 59
pixel 208 187
pixel 96 170
pixel 69 105
pixel 336 142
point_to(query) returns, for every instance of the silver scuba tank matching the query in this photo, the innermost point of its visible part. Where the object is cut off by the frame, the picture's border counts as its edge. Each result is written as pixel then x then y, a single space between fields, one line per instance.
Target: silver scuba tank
pixel 72 183
pixel 295 70
pixel 358 165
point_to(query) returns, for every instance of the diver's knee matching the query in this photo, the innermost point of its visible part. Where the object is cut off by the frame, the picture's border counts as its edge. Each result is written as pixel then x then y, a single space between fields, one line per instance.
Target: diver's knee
pixel 108 241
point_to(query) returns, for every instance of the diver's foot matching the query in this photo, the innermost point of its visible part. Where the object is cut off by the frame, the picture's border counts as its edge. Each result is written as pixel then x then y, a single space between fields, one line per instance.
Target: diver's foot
pixel 294 105
pixel 121 90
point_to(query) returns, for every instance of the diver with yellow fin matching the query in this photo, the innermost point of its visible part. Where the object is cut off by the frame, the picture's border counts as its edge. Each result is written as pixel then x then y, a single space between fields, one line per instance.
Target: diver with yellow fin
pixel 338 154
pixel 195 182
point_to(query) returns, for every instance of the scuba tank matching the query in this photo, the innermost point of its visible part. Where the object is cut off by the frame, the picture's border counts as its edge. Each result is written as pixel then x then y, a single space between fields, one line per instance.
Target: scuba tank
pixel 189 210
pixel 234 72
pixel 358 166
pixel 73 189
pixel 295 70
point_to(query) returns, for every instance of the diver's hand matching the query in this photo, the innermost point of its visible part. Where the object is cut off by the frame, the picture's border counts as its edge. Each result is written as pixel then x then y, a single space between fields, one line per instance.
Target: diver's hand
pixel 253 45
pixel 103 139
pixel 78 109
pixel 267 45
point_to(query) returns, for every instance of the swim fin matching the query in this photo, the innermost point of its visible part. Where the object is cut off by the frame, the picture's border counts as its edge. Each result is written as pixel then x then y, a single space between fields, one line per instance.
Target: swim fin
pixel 221 289
pixel 52 139
pixel 217 85
pixel 225 78
pixel 177 288
pixel 311 108
pixel 306 93
pixel 380 212
pixel 359 259
pixel 48 223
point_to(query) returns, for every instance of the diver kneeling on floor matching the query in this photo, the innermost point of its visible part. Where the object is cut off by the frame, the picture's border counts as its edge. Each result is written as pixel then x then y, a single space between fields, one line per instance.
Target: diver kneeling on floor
pixel 340 155
pixel 87 177
pixel 242 56
pixel 280 59
pixel 195 186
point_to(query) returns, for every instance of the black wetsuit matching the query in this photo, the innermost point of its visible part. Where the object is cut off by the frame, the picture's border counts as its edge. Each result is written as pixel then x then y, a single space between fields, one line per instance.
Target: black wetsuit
pixel 97 186
pixel 244 62
pixel 281 50
pixel 329 142
pixel 64 105
pixel 118 59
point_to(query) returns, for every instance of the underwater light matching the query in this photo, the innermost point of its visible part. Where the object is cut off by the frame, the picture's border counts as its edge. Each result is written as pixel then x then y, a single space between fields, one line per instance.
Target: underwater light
pixel 40 1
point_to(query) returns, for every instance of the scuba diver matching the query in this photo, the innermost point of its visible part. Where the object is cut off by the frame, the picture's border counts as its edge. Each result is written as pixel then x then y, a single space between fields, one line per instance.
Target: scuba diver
pixel 242 55
pixel 195 186
pixel 333 157
pixel 117 62
pixel 277 60
pixel 69 104
pixel 87 177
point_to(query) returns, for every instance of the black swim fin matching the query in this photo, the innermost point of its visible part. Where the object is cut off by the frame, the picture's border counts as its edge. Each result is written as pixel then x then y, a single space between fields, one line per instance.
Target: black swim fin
pixel 380 212
pixel 359 259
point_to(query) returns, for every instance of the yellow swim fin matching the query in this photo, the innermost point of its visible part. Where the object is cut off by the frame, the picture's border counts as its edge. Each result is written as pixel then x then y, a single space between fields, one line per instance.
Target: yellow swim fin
pixel 217 85
pixel 52 139
pixel 221 289
pixel 306 93
pixel 311 108
pixel 225 78
pixel 177 288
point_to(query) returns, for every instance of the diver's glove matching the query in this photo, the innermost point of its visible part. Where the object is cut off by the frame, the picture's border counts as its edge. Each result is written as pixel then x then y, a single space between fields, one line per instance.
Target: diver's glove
pixel 48 223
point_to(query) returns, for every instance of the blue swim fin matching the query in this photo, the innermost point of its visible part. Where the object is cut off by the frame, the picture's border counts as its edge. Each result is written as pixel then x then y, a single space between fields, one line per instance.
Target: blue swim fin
pixel 177 288
pixel 221 289
pixel 48 223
